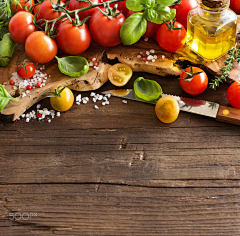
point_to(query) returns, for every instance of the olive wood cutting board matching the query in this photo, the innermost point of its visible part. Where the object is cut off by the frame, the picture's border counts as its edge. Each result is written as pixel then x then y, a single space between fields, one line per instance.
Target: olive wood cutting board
pixel 166 64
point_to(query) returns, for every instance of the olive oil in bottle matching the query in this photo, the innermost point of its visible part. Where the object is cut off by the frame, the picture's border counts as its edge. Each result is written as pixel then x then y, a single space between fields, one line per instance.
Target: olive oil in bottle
pixel 211 29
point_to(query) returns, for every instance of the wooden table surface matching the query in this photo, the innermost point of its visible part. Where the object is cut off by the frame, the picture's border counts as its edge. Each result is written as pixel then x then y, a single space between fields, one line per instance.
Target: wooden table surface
pixel 119 171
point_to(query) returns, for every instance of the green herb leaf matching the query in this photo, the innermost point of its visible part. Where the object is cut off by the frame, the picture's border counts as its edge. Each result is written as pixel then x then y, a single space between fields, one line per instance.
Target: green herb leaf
pixel 7 46
pixel 73 66
pixel 166 2
pixel 139 5
pixel 160 13
pixel 133 28
pixel 5 97
pixel 147 90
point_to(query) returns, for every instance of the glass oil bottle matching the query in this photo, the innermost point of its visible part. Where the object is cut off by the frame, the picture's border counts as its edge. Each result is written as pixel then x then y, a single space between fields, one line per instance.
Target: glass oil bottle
pixel 211 29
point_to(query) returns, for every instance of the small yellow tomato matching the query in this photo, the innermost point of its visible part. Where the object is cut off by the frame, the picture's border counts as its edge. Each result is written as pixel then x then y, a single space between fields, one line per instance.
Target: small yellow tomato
pixel 62 99
pixel 119 74
pixel 167 109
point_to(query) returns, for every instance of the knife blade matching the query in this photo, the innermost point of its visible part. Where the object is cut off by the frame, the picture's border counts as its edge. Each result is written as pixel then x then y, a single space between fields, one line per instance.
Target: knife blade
pixel 201 107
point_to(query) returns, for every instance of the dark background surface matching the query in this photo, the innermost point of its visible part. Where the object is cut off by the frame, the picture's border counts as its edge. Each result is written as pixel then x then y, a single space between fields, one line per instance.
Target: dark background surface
pixel 119 171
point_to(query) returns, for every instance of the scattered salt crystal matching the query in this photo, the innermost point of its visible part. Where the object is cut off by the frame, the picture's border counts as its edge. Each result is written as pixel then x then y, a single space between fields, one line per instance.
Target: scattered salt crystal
pixel 23 115
pixel 49 120
pixel 92 94
pixel 145 39
pixel 153 60
pixel 146 62
pixel 15 87
pixel 90 64
pixel 84 102
pixel 107 102
pixel 27 120
pixel 96 107
pixel 152 50
pixel 97 68
pixel 78 103
pixel 124 101
pixel 155 56
pixel 163 56
pixel 147 53
pixel 139 56
pixel 103 103
pixel 100 97
pixel 58 113
pixel 94 59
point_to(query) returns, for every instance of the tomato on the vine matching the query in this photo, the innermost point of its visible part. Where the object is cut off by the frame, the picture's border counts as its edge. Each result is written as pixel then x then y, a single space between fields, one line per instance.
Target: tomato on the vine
pixel 171 36
pixel 26 69
pixel 74 5
pixel 72 39
pixel 167 109
pixel 105 30
pixel 193 80
pixel 16 7
pixel 61 99
pixel 21 26
pixel 182 10
pixel 152 28
pixel 233 94
pixel 40 48
pixel 47 12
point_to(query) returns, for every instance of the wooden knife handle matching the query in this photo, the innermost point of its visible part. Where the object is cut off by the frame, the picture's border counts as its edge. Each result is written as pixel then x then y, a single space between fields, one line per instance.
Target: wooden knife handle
pixel 228 115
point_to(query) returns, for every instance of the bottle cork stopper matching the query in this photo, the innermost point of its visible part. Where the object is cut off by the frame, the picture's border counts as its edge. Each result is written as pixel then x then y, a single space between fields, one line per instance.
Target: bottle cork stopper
pixel 214 3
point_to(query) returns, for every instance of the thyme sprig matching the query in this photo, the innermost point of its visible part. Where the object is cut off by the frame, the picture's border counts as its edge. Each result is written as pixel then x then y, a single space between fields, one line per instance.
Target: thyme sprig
pixel 234 56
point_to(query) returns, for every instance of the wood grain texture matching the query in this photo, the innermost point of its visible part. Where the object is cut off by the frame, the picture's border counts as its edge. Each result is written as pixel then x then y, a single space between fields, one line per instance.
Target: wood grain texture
pixel 119 210
pixel 229 115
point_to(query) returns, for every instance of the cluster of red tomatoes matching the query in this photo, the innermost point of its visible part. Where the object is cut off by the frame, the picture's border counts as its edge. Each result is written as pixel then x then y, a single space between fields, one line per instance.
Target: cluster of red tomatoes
pixel 71 39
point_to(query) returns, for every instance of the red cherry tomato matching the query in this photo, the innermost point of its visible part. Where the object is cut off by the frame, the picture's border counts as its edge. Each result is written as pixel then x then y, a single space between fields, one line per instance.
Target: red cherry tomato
pixel 152 28
pixel 235 6
pixel 74 5
pixel 233 94
pixel 38 84
pixel 26 69
pixel 71 39
pixel 105 31
pixel 16 7
pixel 122 7
pixel 171 39
pixel 197 84
pixel 40 48
pixel 182 10
pixel 36 8
pixel 46 11
pixel 21 26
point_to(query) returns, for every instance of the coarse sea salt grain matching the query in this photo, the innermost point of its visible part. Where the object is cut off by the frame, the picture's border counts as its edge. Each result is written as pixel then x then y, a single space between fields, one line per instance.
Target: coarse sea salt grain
pixel 152 51
pixel 96 107
pixel 124 101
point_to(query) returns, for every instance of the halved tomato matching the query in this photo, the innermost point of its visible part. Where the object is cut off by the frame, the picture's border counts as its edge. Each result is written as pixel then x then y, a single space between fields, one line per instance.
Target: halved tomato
pixel 119 74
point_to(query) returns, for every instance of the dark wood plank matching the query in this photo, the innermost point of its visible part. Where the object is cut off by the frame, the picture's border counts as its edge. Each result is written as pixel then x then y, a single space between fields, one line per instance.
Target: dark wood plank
pixel 75 209
pixel 121 156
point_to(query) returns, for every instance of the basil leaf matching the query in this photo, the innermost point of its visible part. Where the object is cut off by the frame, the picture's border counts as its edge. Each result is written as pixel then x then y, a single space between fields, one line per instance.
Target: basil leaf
pixel 7 46
pixel 133 28
pixel 147 90
pixel 5 97
pixel 160 13
pixel 166 2
pixel 139 5
pixel 73 66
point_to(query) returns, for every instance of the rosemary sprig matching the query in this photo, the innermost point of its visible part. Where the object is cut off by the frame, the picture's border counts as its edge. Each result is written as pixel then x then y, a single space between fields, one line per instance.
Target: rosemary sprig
pixel 234 55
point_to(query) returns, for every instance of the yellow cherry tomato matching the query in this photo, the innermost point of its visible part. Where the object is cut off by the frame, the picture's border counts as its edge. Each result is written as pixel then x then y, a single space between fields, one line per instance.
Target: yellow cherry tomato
pixel 119 74
pixel 167 109
pixel 62 100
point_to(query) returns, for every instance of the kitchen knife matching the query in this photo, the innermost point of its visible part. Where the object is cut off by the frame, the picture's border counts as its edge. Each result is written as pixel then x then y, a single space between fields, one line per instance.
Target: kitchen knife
pixel 211 109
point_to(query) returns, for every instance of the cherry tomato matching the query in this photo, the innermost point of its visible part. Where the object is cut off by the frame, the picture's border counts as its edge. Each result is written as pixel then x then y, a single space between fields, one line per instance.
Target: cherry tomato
pixel 152 28
pixel 105 31
pixel 235 6
pixel 233 94
pixel 122 7
pixel 64 102
pixel 21 26
pixel 36 8
pixel 167 109
pixel 197 84
pixel 71 39
pixel 119 74
pixel 26 69
pixel 74 5
pixel 16 7
pixel 46 11
pixel 171 37
pixel 40 48
pixel 182 10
